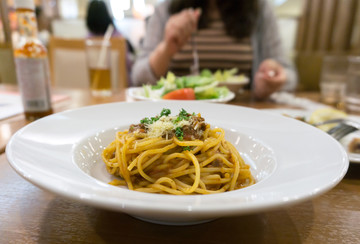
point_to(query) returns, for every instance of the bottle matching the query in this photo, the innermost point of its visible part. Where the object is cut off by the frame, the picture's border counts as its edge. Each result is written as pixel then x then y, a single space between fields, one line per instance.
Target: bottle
pixel 31 62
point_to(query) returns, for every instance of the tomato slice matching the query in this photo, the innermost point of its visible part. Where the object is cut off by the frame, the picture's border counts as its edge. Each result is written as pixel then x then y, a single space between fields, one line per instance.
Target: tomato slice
pixel 181 94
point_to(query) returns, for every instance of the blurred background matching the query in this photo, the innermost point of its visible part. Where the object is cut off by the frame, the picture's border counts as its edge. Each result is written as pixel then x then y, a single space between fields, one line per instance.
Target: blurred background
pixel 310 29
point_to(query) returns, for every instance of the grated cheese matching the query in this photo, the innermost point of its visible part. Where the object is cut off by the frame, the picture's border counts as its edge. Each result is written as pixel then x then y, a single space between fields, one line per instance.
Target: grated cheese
pixel 164 125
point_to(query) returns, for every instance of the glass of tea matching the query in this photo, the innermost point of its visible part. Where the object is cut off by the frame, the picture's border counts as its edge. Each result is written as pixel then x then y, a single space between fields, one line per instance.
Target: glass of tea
pixel 98 55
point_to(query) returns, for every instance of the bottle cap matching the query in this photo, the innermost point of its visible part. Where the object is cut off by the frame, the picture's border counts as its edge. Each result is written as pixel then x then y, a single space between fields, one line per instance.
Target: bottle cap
pixel 27 4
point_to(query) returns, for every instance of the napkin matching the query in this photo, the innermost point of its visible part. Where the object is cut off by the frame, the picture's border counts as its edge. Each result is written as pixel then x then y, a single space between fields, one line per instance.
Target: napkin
pixel 290 99
pixel 11 104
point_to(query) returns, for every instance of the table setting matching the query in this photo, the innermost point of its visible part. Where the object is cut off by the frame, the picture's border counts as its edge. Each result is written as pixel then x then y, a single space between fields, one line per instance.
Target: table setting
pixel 303 192
pixel 207 123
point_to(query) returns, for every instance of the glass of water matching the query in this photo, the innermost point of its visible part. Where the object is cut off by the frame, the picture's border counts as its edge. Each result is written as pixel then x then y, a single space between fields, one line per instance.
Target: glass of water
pixel 333 80
pixel 352 100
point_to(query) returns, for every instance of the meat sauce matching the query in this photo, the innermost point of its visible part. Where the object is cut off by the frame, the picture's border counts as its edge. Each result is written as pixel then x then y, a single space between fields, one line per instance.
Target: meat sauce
pixel 193 131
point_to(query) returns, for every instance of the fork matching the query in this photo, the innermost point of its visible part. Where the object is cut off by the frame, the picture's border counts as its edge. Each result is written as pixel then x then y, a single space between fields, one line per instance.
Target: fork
pixel 343 128
pixel 194 69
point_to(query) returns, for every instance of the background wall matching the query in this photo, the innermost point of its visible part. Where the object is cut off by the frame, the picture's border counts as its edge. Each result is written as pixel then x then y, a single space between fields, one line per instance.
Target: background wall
pixel 309 29
pixel 130 17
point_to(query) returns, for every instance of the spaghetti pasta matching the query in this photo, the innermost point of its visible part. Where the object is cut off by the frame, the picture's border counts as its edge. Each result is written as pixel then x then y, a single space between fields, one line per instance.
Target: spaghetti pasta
pixel 176 155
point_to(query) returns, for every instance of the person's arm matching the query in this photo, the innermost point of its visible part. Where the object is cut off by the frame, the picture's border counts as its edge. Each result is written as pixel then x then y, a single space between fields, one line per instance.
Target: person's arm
pixel 177 32
pixel 270 57
pixel 141 71
pixel 161 44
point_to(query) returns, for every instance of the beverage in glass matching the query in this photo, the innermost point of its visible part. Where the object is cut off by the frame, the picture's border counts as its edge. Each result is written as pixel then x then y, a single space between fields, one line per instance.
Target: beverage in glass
pixel 98 55
pixel 353 85
pixel 333 80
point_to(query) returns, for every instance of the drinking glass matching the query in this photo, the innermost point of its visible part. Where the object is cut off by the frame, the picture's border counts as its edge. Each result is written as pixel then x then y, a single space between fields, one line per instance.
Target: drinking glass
pixel 353 85
pixel 98 54
pixel 333 80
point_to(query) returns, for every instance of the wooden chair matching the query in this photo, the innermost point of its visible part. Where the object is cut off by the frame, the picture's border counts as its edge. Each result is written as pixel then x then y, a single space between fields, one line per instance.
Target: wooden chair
pixel 326 27
pixel 68 63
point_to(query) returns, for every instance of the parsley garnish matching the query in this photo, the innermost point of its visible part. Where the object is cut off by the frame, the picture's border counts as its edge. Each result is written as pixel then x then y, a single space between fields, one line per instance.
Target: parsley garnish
pixel 187 148
pixel 149 120
pixel 179 133
pixel 146 121
pixel 183 115
pixel 164 112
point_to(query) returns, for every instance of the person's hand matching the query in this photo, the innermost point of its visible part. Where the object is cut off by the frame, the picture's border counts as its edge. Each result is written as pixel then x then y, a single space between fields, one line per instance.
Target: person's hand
pixel 270 77
pixel 179 29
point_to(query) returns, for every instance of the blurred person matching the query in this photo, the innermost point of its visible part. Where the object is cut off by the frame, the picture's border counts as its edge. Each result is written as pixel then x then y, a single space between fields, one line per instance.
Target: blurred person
pixel 229 34
pixel 98 19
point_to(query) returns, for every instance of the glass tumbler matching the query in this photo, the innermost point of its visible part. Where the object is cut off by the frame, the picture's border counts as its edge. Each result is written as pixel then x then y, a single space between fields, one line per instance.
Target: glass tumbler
pixel 333 80
pixel 98 54
pixel 353 85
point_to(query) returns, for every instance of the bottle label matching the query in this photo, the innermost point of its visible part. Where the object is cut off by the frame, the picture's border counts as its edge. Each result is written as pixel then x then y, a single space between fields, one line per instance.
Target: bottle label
pixel 27 23
pixel 33 80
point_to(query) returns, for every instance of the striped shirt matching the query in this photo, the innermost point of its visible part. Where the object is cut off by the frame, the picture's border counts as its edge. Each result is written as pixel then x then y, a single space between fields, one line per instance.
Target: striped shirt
pixel 216 50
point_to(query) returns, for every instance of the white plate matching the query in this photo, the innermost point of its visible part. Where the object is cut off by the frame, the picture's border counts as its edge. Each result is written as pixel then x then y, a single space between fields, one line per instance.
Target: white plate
pixel 137 93
pixel 235 86
pixel 290 160
pixel 353 157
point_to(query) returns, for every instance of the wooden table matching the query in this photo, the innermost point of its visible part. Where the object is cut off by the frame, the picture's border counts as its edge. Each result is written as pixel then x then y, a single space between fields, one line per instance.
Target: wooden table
pixel 31 215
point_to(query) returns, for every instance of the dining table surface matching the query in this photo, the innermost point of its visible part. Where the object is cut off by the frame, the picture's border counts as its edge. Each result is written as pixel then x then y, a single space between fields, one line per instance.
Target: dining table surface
pixel 29 214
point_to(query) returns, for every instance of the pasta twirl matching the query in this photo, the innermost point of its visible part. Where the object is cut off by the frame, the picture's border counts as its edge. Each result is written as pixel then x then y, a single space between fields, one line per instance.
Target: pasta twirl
pixel 176 155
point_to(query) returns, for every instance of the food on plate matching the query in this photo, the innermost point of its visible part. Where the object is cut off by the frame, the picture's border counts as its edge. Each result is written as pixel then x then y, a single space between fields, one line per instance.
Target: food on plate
pixel 177 155
pixel 297 117
pixel 324 114
pixel 321 115
pixel 229 78
pixel 181 94
pixel 228 75
pixel 204 86
pixel 354 145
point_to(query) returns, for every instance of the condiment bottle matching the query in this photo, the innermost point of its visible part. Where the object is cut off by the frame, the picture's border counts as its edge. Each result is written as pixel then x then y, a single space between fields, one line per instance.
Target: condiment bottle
pixel 31 61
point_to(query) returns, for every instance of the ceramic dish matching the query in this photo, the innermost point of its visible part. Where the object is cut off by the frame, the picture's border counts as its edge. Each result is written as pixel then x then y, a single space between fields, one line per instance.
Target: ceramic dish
pixel 61 153
pixel 235 86
pixel 353 157
pixel 137 93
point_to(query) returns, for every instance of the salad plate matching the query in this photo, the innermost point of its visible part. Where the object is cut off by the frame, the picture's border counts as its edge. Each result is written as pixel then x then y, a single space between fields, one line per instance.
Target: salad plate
pixel 305 115
pixel 138 94
pixel 61 153
pixel 219 87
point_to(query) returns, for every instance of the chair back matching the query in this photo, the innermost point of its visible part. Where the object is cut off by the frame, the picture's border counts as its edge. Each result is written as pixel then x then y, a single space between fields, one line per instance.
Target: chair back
pixel 69 67
pixel 325 28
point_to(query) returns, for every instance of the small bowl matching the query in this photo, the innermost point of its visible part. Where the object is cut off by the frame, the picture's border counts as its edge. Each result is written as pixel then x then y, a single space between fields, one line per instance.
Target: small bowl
pixel 235 85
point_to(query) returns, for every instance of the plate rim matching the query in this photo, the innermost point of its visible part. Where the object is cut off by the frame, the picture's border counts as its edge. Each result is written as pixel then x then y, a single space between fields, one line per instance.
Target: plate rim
pixel 131 90
pixel 351 156
pixel 217 213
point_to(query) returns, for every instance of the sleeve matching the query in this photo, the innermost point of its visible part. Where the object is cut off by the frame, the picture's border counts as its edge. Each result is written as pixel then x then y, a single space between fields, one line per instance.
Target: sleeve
pixel 268 44
pixel 141 71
